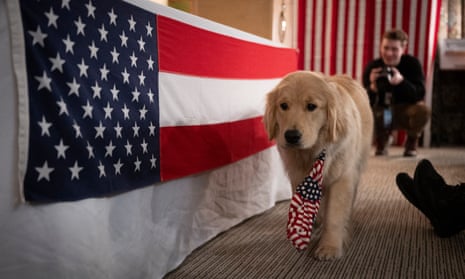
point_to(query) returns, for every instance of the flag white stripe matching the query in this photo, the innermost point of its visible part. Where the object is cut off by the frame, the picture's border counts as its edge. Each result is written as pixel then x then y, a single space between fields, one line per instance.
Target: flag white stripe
pixel 400 6
pixel 377 24
pixel 318 35
pixel 359 47
pixel 328 34
pixel 308 35
pixel 350 37
pixel 411 31
pixel 340 38
pixel 237 99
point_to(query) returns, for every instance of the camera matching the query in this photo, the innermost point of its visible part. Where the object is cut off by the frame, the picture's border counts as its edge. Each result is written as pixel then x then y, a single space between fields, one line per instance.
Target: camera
pixel 382 83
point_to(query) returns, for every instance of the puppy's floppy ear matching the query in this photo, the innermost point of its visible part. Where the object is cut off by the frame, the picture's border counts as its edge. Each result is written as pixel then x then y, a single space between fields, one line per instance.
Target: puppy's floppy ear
pixel 337 117
pixel 269 118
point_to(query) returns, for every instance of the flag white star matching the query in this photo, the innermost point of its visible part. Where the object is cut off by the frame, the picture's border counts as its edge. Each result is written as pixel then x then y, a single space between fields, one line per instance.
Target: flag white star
pixel 151 129
pixel 44 82
pixel 150 63
pixel 153 162
pixel 93 50
pixel 90 9
pixel 151 95
pixel 141 78
pixel 118 167
pixel 38 37
pixel 132 24
pixel 125 75
pixel 90 150
pixel 77 130
pixel 73 87
pixel 103 33
pixel 124 39
pixel 99 130
pixel 80 26
pixel 125 111
pixel 114 92
pixel 135 95
pixel 101 169
pixel 61 149
pixel 45 126
pixel 109 149
pixel 57 63
pixel 137 164
pixel 52 18
pixel 114 56
pixel 63 108
pixel 142 112
pixel 133 58
pixel 96 89
pixel 118 130
pixel 108 111
pixel 65 4
pixel 104 72
pixel 44 172
pixel 144 146
pixel 128 147
pixel 149 29
pixel 75 170
pixel 82 68
pixel 87 110
pixel 136 128
pixel 68 45
pixel 113 17
pixel 141 43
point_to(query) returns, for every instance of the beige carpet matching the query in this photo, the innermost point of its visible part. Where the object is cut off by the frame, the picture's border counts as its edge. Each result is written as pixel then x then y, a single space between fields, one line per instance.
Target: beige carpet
pixel 391 238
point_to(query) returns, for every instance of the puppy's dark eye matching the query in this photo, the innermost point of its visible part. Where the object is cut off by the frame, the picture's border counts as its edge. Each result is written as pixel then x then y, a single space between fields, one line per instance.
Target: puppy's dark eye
pixel 311 107
pixel 284 106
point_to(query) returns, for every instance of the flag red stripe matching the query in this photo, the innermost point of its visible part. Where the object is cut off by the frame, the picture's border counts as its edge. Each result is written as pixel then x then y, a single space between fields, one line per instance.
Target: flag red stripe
pixel 346 34
pixel 301 32
pixel 192 149
pixel 334 30
pixel 354 65
pixel 191 50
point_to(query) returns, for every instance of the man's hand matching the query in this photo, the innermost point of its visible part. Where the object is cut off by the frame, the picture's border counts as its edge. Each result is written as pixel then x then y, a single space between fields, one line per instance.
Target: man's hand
pixel 396 77
pixel 374 75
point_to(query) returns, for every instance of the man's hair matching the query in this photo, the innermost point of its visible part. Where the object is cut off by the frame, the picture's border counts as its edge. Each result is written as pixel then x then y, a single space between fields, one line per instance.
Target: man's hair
pixel 396 35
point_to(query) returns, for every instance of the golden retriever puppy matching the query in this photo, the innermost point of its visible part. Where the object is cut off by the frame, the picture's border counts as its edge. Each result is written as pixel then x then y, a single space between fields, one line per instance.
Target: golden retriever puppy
pixel 308 112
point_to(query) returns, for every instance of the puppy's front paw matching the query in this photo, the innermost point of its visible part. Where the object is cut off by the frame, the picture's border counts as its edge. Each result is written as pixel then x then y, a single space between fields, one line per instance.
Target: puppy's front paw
pixel 328 253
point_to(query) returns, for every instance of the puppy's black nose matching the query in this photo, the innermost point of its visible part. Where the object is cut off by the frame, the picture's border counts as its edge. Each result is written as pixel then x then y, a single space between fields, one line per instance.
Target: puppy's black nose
pixel 292 136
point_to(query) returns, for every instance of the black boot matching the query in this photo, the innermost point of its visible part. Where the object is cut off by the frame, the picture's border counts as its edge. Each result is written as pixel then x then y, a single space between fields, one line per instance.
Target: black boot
pixel 446 203
pixel 411 147
pixel 407 188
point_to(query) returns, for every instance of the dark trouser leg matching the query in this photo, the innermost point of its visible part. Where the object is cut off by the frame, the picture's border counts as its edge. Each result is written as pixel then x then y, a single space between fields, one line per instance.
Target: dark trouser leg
pixel 382 132
pixel 413 119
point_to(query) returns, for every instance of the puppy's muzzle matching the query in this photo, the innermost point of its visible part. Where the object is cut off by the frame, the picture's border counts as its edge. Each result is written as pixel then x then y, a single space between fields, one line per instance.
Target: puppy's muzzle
pixel 293 137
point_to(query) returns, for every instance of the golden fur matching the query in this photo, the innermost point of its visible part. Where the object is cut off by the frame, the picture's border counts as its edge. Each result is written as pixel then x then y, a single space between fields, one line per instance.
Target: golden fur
pixel 308 112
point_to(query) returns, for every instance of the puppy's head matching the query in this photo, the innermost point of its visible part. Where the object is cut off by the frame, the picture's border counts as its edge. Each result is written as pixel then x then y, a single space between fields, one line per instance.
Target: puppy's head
pixel 302 110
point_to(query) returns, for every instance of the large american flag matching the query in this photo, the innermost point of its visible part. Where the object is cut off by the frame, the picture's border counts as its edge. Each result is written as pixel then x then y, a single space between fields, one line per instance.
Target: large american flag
pixel 119 98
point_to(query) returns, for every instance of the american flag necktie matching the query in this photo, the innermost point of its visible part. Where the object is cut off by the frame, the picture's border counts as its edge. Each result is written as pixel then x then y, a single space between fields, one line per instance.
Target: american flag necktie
pixel 304 206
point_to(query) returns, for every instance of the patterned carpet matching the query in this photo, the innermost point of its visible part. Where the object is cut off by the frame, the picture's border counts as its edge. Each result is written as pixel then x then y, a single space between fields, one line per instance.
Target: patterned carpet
pixel 391 238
